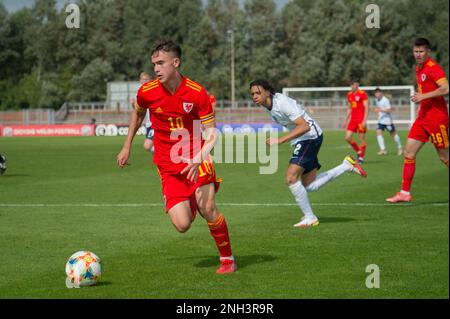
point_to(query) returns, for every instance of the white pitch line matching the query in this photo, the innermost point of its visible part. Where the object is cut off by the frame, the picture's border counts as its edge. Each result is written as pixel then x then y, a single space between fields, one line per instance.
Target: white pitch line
pixel 221 204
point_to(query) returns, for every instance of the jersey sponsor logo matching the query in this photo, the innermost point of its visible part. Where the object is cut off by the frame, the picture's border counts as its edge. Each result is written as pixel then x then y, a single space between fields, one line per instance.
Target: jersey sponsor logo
pixel 423 77
pixel 187 107
pixel 430 63
pixel 357 98
pixel 159 110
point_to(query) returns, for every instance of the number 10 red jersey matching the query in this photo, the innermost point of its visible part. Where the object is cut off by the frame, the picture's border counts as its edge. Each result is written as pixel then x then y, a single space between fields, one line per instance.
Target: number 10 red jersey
pixel 178 115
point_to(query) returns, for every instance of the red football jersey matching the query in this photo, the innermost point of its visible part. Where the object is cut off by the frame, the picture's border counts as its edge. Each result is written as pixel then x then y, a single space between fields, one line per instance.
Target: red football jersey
pixel 181 113
pixel 356 99
pixel 428 79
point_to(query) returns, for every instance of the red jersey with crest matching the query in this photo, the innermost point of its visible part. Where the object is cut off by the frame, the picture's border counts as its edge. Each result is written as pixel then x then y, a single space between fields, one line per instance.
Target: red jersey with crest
pixel 176 120
pixel 428 79
pixel 356 99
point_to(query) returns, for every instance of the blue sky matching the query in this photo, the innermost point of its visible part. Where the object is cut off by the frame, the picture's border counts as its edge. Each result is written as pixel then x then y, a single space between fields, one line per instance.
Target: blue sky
pixel 13 5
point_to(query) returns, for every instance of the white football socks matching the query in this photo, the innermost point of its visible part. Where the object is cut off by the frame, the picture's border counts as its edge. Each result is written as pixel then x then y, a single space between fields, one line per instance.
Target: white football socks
pixel 301 197
pixel 398 141
pixel 380 140
pixel 328 176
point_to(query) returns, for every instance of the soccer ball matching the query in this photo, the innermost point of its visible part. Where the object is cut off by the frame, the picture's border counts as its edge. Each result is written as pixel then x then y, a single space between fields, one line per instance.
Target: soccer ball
pixel 83 269
pixel 2 164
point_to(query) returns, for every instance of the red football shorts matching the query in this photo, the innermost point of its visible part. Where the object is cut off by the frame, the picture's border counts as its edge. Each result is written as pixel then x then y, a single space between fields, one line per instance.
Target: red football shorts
pixel 433 128
pixel 356 127
pixel 176 188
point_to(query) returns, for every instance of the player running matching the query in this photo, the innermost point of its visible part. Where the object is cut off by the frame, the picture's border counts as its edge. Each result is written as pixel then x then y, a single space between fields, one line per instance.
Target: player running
pixel 179 108
pixel 358 108
pixel 432 119
pixel 385 123
pixel 305 137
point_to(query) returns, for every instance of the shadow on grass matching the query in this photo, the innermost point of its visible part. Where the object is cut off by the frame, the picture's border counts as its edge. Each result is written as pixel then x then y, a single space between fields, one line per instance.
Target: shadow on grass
pixel 103 283
pixel 242 261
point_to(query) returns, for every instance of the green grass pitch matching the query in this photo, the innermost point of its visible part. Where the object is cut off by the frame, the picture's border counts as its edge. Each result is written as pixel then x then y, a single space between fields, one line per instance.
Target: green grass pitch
pixel 61 195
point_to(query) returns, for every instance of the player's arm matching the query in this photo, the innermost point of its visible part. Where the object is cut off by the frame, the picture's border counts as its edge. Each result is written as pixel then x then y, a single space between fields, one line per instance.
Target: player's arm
pixel 366 112
pixel 302 127
pixel 347 115
pixel 211 135
pixel 137 116
pixel 440 91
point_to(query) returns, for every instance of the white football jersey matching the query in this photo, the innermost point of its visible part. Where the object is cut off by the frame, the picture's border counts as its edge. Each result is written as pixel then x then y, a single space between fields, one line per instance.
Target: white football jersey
pixel 384 117
pixel 147 121
pixel 286 110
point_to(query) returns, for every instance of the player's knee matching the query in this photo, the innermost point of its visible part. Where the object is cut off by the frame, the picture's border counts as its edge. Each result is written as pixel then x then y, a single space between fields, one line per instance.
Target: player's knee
pixel 409 154
pixel 182 227
pixel 291 179
pixel 208 211
pixel 349 139
pixel 444 159
pixel 148 147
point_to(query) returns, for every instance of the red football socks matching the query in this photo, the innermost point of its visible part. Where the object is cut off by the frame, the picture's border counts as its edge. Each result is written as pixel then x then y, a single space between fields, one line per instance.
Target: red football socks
pixel 362 150
pixel 409 168
pixel 219 231
pixel 354 146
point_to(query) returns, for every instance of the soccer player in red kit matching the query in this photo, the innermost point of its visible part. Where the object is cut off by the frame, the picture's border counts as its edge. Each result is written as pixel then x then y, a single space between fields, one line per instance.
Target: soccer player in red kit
pixel 179 108
pixel 432 119
pixel 358 108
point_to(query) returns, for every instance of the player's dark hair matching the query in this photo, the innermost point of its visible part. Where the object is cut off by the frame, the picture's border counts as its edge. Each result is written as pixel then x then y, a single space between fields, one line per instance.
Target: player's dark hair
pixel 264 84
pixel 422 42
pixel 354 80
pixel 167 45
pixel 377 90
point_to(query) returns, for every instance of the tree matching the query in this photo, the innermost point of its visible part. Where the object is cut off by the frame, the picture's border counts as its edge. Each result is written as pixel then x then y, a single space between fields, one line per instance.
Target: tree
pixel 307 43
pixel 91 83
pixel 264 38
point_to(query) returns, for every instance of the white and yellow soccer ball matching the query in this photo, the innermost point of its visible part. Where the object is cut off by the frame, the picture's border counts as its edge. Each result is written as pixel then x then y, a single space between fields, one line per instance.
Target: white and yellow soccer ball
pixel 83 269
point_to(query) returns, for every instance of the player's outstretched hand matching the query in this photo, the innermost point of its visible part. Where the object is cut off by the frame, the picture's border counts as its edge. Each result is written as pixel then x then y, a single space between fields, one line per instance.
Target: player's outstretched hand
pixel 272 141
pixel 122 158
pixel 191 168
pixel 417 97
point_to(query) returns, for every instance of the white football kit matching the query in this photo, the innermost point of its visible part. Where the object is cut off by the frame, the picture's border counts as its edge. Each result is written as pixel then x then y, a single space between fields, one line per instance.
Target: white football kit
pixel 286 110
pixel 147 121
pixel 384 118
